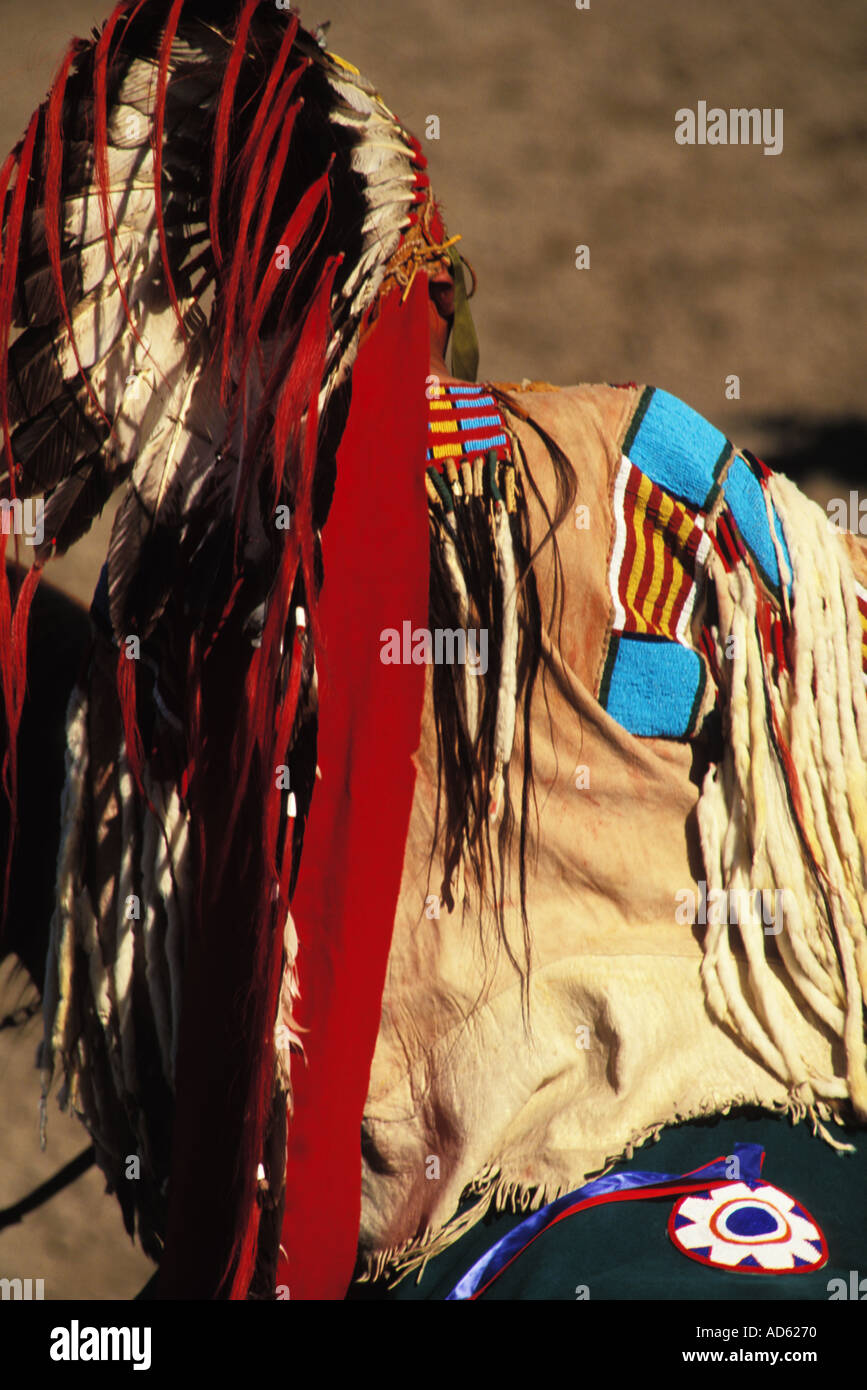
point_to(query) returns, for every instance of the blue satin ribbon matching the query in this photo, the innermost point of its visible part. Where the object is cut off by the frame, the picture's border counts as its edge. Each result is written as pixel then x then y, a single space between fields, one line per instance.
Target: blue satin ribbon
pixel 750 1158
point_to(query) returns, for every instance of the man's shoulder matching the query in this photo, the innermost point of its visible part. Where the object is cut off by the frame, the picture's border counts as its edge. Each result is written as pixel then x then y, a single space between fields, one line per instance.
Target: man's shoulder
pixel 590 411
pixel 624 407
pixel 615 398
pixel 664 437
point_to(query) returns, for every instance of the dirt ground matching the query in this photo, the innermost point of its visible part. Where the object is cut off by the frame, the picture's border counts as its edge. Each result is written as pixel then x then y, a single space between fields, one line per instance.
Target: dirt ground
pixel 556 130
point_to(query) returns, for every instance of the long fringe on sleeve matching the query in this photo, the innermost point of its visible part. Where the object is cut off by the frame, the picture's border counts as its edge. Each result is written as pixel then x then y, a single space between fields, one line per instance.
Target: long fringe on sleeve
pixel 785 812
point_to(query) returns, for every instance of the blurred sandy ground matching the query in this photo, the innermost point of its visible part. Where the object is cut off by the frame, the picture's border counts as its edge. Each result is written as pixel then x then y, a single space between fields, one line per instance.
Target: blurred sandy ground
pixel 557 129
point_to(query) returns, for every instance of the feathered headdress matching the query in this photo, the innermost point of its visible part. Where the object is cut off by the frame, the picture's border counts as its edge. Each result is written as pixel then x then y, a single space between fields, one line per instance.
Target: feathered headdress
pixel 199 228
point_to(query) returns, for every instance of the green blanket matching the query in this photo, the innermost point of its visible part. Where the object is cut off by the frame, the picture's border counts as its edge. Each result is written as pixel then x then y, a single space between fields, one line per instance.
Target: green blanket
pixel 622 1251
